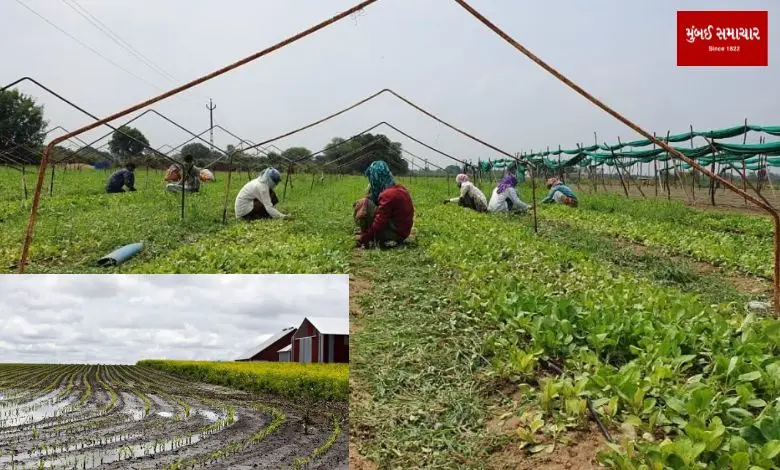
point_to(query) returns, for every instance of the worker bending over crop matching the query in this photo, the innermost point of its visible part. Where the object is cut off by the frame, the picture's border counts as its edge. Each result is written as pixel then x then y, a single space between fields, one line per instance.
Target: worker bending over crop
pixel 470 195
pixel 121 178
pixel 386 215
pixel 505 198
pixel 559 193
pixel 172 174
pixel 191 177
pixel 257 198
pixel 206 175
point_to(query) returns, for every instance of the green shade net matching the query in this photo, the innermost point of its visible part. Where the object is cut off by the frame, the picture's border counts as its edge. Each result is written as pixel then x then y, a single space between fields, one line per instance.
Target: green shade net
pixel 726 133
pixel 749 156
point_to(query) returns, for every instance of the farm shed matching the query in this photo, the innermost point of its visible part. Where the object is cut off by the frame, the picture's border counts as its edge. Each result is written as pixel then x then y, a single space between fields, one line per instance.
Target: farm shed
pixel 284 353
pixel 321 339
pixel 268 350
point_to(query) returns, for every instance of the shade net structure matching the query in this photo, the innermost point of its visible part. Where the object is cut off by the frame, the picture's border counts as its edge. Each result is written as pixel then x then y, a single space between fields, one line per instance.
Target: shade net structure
pixel 357 8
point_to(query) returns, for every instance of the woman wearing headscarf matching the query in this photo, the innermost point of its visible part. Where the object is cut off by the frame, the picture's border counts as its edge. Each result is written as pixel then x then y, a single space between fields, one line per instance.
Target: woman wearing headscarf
pixel 505 198
pixel 172 174
pixel 191 180
pixel 559 193
pixel 470 195
pixel 386 214
pixel 257 198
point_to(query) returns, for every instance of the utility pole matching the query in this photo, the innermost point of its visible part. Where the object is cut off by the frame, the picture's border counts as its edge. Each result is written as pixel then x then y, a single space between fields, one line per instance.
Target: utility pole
pixel 211 107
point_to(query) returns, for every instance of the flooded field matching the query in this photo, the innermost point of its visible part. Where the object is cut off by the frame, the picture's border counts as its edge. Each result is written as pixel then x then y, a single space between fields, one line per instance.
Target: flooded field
pixel 97 416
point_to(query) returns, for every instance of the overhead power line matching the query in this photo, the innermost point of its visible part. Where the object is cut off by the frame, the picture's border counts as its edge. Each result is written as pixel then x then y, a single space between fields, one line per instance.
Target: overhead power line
pixel 84 13
pixel 91 49
pixel 54 25
pixel 105 29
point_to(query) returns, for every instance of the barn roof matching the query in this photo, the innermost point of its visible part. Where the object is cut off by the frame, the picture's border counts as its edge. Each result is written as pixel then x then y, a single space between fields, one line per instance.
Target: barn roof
pixel 330 325
pixel 262 346
pixel 287 348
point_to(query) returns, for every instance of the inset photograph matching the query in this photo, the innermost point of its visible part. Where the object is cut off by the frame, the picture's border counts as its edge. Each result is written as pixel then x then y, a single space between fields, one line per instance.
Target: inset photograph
pixel 174 371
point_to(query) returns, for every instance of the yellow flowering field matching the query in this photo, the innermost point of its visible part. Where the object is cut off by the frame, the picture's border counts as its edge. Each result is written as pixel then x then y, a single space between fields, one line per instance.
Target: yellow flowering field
pixel 289 379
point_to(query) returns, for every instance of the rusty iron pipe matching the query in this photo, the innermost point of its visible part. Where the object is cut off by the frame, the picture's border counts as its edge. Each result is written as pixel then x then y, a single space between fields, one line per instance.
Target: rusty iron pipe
pixel 669 149
pixel 45 156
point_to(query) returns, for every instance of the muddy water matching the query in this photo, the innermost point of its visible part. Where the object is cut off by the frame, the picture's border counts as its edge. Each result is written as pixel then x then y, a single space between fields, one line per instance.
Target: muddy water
pixel 42 408
pixel 128 435
pixel 125 446
pixel 134 407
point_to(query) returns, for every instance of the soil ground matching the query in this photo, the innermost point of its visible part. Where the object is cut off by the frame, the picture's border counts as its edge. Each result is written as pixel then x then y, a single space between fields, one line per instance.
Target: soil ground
pixel 359 284
pixel 725 200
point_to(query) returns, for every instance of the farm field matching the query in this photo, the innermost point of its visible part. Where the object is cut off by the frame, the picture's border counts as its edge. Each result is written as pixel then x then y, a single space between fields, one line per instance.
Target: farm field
pixel 87 416
pixel 485 345
pixel 288 379
pixel 81 223
pixel 725 200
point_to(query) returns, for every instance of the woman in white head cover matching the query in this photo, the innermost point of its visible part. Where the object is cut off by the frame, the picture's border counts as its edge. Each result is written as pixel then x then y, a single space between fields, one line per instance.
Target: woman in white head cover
pixel 257 198
pixel 470 195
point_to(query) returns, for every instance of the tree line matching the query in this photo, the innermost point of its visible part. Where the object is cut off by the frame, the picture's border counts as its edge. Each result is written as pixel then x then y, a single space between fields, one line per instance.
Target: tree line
pixel 23 132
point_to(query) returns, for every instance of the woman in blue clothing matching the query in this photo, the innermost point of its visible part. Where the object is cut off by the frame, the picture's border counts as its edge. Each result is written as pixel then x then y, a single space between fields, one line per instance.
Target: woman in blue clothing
pixel 559 193
pixel 121 179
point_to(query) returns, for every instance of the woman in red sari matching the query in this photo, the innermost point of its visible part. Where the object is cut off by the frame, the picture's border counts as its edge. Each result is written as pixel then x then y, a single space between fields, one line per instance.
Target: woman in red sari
pixel 386 215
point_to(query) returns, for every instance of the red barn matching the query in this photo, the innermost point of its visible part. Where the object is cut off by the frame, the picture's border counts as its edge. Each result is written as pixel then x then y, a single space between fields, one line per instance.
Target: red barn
pixel 268 350
pixel 321 339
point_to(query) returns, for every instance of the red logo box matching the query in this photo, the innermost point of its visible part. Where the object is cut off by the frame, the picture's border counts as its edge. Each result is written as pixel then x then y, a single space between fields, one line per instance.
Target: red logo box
pixel 722 38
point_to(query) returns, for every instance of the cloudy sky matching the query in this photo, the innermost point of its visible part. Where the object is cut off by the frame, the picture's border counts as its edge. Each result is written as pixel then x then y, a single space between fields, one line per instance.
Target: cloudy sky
pixel 124 318
pixel 431 51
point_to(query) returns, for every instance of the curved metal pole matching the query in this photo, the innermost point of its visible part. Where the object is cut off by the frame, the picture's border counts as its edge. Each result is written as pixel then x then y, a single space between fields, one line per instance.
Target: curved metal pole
pixel 227 188
pixel 244 141
pixel 405 100
pixel 70 135
pixel 45 156
pixel 156 151
pixel 363 147
pixel 669 149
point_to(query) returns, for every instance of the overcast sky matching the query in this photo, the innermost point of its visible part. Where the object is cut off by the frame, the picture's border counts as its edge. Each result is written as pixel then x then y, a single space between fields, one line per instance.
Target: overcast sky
pixel 121 319
pixel 431 51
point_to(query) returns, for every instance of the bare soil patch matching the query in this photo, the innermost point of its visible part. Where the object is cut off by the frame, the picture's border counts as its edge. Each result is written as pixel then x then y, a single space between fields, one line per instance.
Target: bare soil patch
pixel 750 285
pixel 578 453
pixel 358 285
pixel 357 461
pixel 725 200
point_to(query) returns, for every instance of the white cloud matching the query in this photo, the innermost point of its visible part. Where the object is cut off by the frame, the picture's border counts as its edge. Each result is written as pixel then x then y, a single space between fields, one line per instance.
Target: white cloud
pixel 124 318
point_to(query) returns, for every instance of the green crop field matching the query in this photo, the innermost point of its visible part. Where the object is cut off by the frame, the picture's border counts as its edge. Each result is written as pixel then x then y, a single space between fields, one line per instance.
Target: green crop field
pixel 486 344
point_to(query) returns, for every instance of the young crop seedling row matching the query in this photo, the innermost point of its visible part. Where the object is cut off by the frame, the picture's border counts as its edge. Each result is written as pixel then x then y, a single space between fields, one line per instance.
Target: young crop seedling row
pixel 84 419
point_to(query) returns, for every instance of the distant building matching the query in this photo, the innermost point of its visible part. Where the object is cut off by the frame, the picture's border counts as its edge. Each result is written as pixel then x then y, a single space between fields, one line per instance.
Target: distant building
pixel 321 339
pixel 269 350
pixel 284 353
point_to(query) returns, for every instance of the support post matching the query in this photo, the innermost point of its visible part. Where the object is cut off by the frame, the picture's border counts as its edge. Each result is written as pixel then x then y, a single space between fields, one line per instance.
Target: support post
pixel 51 183
pixel 227 187
pixel 284 194
pixel 655 170
pixel 617 168
pixel 184 175
pixel 24 181
pixel 694 176
pixel 712 181
pixel 628 182
pixel 533 197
